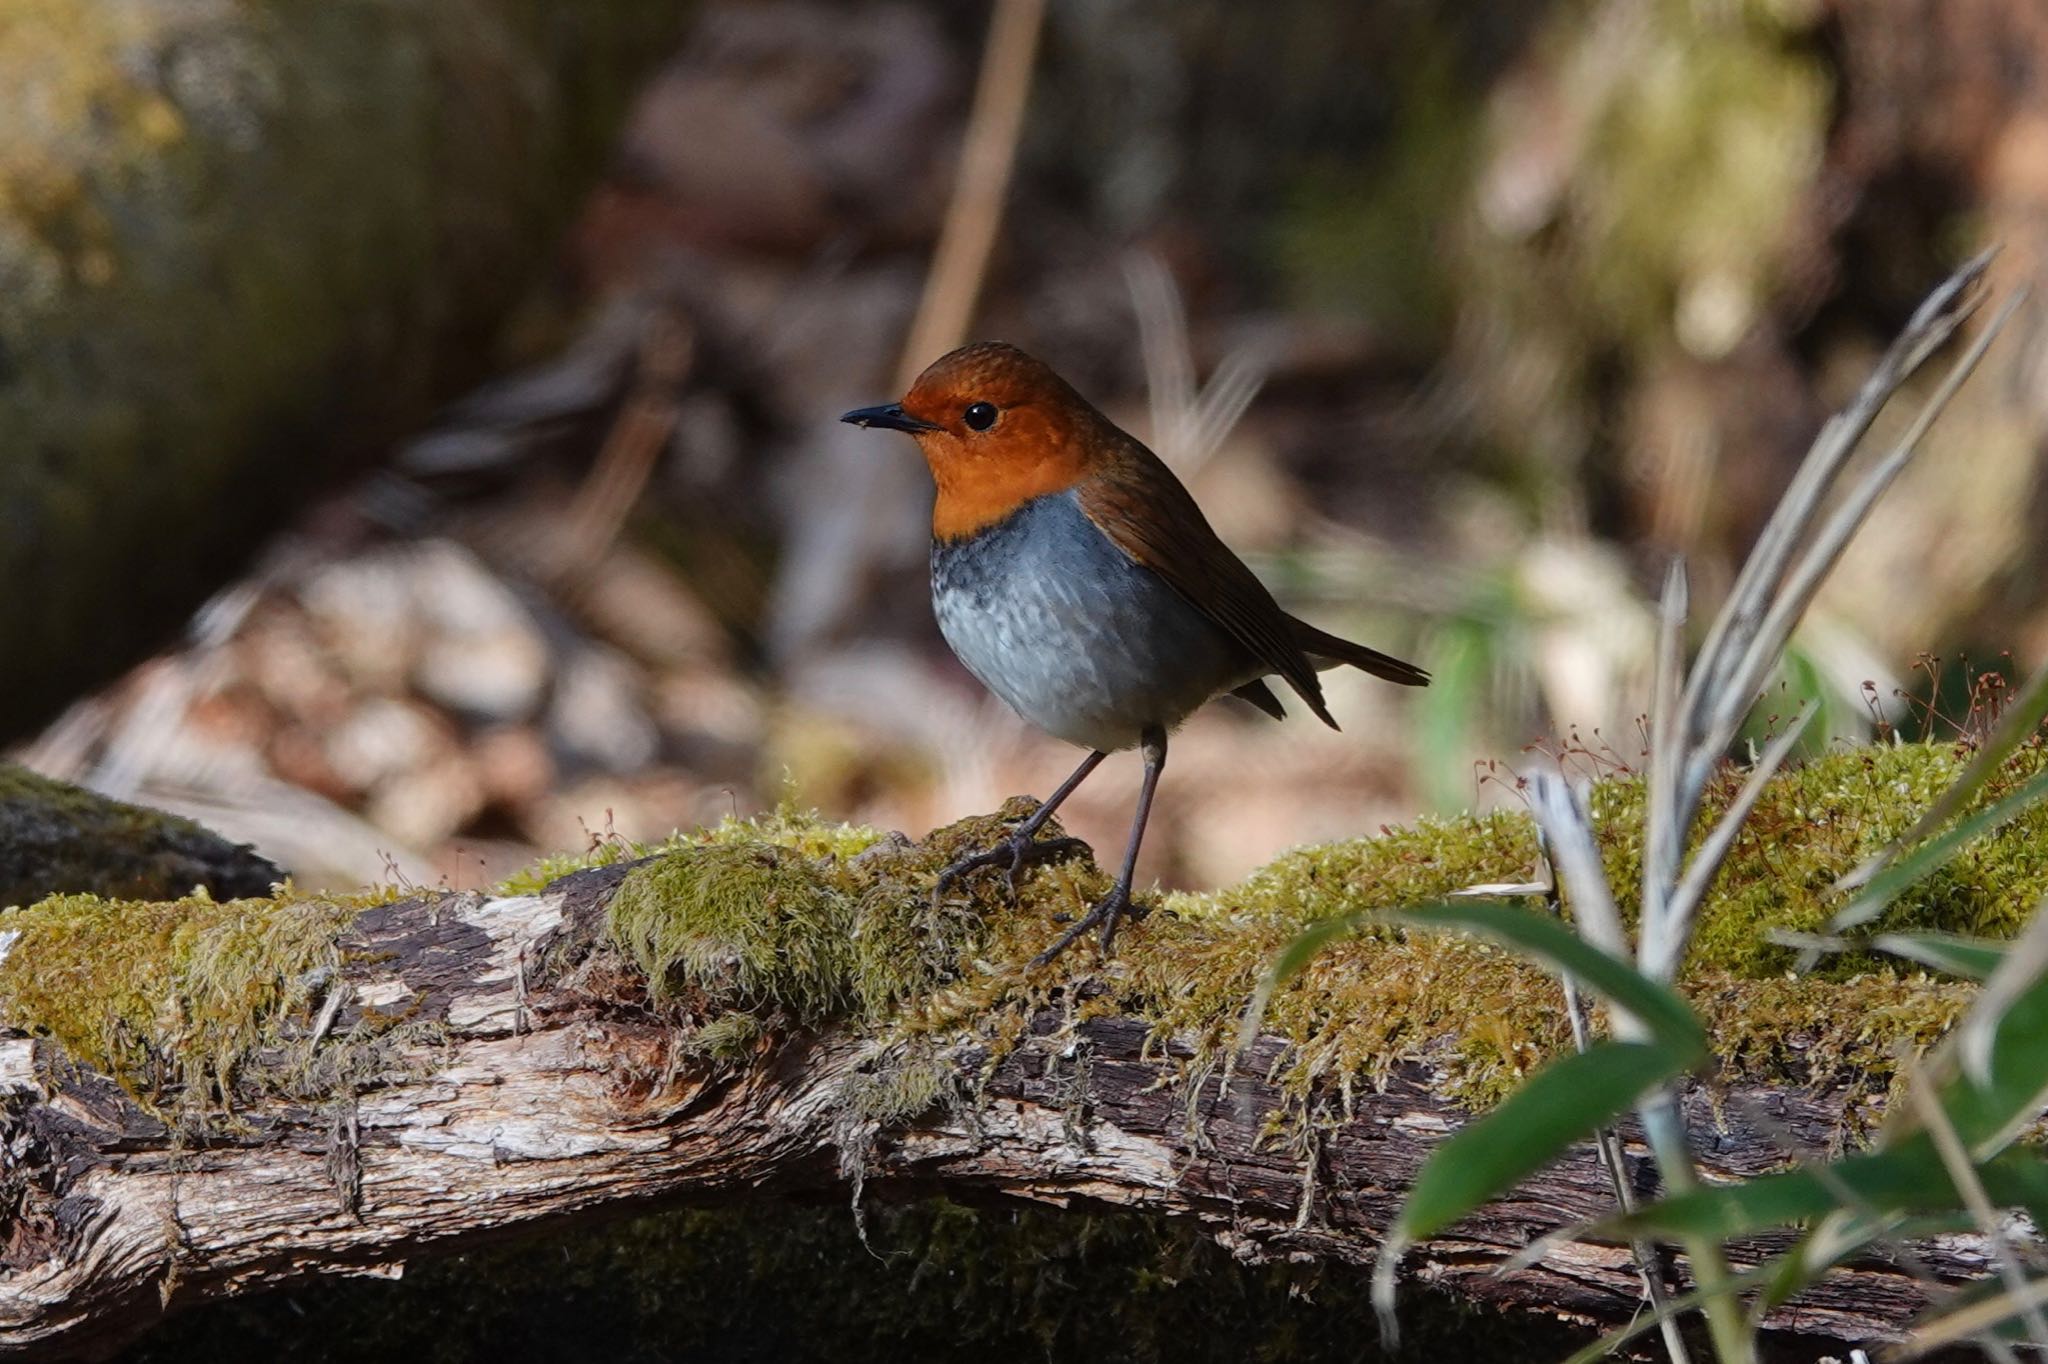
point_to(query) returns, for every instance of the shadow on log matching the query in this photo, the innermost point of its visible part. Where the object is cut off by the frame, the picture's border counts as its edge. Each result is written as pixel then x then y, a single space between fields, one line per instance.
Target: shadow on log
pixel 391 1080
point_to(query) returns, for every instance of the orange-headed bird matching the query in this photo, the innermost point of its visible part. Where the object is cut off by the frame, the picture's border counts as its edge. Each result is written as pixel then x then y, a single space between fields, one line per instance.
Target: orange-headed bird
pixel 1074 575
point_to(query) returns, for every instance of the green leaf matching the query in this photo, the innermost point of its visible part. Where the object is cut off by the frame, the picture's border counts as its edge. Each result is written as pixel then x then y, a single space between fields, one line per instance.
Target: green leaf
pixel 1970 958
pixel 1905 1179
pixel 1660 1009
pixel 1560 1104
pixel 1992 1112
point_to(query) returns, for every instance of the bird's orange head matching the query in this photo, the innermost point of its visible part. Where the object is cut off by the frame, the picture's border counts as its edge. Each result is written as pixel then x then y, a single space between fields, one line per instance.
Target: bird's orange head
pixel 998 428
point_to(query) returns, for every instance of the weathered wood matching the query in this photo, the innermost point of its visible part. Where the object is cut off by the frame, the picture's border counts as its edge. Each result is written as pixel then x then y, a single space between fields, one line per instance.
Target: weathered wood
pixel 530 1080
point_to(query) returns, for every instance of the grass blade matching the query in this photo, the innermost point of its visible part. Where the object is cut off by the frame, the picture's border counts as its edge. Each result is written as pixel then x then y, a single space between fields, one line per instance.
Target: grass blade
pixel 1970 958
pixel 1611 1343
pixel 1666 817
pixel 1563 1103
pixel 1735 624
pixel 1789 604
pixel 1971 1322
pixel 1683 907
pixel 1663 1014
pixel 1576 861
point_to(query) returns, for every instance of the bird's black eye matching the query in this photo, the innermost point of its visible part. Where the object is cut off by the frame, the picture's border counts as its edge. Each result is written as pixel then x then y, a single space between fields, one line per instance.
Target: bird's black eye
pixel 979 416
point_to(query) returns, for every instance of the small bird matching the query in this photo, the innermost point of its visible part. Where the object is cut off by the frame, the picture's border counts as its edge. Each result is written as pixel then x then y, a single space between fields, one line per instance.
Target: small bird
pixel 1073 574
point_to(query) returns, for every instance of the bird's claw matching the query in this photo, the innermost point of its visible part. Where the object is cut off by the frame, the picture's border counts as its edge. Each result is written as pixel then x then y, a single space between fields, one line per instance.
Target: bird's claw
pixel 1013 854
pixel 1107 912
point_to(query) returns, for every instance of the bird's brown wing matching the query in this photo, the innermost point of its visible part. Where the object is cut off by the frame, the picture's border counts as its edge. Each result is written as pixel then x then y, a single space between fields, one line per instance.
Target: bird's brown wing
pixel 1136 501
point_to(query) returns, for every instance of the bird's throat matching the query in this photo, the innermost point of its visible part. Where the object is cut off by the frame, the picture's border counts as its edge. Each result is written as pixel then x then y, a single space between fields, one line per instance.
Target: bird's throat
pixel 980 494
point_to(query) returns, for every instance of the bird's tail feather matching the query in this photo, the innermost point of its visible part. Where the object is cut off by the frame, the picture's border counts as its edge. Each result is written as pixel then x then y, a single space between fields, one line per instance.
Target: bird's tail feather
pixel 1328 651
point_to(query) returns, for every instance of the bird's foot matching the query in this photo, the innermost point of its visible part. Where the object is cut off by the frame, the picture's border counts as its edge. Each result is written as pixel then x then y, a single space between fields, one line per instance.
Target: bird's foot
pixel 1020 850
pixel 1107 912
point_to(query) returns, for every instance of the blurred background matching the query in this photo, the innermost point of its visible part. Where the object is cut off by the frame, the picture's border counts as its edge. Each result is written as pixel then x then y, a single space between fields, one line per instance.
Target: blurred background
pixel 417 423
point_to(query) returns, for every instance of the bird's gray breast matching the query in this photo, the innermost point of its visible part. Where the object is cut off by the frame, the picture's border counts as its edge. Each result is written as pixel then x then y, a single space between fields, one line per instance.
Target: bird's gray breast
pixel 1079 639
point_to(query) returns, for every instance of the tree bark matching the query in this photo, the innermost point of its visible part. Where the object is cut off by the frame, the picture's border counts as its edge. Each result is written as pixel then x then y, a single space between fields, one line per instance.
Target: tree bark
pixel 539 1085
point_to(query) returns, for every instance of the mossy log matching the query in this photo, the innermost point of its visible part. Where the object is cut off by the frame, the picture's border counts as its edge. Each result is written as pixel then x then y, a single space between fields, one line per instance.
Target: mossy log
pixel 249 1093
pixel 243 243
pixel 58 839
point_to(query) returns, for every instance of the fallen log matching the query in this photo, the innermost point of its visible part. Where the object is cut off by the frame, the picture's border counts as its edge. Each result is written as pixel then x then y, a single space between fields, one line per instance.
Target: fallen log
pixel 305 1086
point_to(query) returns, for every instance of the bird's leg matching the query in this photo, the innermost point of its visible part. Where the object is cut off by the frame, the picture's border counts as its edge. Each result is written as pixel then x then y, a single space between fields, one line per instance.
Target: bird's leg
pixel 1114 905
pixel 1021 848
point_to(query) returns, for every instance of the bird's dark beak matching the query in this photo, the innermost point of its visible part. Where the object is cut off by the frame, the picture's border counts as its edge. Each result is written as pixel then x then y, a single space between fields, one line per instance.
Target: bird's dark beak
pixel 892 416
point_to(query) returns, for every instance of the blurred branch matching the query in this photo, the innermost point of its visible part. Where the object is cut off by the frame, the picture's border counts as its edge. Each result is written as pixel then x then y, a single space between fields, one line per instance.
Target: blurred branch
pixel 988 152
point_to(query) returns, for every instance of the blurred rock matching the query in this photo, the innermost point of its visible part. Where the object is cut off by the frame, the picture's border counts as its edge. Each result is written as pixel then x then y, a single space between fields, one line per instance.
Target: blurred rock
pixel 595 715
pixel 483 654
pixel 426 805
pixel 379 740
pixel 514 765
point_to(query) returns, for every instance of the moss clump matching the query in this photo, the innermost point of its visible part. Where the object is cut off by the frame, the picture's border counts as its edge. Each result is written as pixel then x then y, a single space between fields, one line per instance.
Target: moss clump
pixel 743 925
pixel 758 926
pixel 787 827
pixel 788 914
pixel 170 999
pixel 532 880
pixel 1823 819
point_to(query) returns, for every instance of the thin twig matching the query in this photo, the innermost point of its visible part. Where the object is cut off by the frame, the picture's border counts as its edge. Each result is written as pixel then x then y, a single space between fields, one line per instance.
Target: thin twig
pixel 988 153
pixel 1663 827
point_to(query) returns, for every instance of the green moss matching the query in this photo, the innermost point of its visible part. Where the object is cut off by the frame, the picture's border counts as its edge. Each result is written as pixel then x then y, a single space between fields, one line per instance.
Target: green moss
pixel 744 925
pixel 747 930
pixel 799 831
pixel 1821 820
pixel 790 914
pixel 746 920
pixel 173 998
